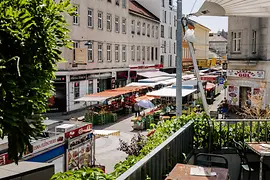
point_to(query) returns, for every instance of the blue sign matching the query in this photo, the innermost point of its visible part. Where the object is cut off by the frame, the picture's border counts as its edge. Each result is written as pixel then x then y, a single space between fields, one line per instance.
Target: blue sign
pixel 221 80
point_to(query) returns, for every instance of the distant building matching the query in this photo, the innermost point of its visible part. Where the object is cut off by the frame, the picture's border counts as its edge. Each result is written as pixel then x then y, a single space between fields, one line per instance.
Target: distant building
pixel 218 44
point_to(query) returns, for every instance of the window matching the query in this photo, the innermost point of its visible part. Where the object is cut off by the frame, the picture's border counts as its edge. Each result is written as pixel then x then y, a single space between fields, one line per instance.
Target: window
pixel 132 49
pixel 164 16
pixel 138 28
pixel 148 53
pixel 174 48
pixel 109 22
pixel 124 54
pixel 152 53
pixel 170 60
pixel 162 59
pixel 76 15
pixel 174 21
pixel 75 45
pixel 254 43
pixel 132 26
pixel 117 3
pixel 138 53
pixel 148 30
pixel 143 52
pixel 162 31
pixel 100 20
pixel 156 53
pixel 110 1
pixel 143 29
pixel 236 41
pixel 90 87
pixel 156 32
pixel 109 52
pixel 124 27
pixel 116 53
pixel 170 32
pixel 100 56
pixel 170 47
pixel 76 90
pixel 124 3
pixel 90 52
pixel 117 24
pixel 164 46
pixel 153 31
pixel 170 2
pixel 163 3
pixel 90 18
pixel 170 18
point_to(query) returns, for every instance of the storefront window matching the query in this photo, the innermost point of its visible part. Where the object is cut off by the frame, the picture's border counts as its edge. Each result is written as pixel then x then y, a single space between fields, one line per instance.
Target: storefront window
pixel 102 85
pixel 90 87
pixel 76 90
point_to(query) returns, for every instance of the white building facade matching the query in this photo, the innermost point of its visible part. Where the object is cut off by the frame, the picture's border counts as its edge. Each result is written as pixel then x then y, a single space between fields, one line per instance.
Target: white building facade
pixel 165 11
pixel 248 60
pixel 102 54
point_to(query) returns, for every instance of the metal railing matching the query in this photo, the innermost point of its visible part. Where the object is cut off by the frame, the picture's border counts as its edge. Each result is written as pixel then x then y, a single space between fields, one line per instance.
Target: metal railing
pixel 245 130
pixel 163 158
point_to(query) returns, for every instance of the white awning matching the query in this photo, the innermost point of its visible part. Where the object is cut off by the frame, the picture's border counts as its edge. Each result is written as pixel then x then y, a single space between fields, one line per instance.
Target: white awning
pixel 91 99
pixel 151 74
pixel 107 133
pixel 155 79
pixel 249 8
pixel 168 82
pixel 170 92
pixel 138 84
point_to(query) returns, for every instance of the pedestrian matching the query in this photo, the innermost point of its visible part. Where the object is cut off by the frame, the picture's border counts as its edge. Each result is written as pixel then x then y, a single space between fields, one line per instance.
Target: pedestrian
pixel 225 108
pixel 137 110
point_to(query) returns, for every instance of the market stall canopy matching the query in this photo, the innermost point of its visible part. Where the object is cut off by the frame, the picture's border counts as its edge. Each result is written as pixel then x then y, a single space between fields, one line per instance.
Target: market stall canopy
pixel 146 97
pixel 170 92
pixel 155 79
pixel 91 99
pixel 138 84
pixel 151 74
pixel 168 82
pixel 102 133
pixel 249 8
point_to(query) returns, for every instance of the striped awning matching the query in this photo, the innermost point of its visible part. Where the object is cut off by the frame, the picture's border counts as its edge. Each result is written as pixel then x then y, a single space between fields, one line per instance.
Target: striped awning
pixel 249 8
pixel 103 133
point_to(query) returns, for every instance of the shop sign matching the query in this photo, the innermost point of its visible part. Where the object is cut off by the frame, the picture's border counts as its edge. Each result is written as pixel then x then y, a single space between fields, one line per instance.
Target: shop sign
pixel 77 132
pixel 60 79
pixel 113 82
pixel 80 55
pixel 246 74
pixel 143 66
pixel 79 140
pixel 4 159
pixel 46 143
pixel 233 95
pixel 209 78
pixel 77 77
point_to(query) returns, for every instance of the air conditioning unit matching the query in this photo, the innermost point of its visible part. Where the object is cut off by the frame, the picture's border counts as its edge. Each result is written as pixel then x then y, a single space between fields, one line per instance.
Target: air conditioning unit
pixel 65 128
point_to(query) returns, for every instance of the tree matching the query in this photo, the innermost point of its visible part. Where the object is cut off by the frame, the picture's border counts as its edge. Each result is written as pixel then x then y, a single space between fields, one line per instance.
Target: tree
pixel 31 35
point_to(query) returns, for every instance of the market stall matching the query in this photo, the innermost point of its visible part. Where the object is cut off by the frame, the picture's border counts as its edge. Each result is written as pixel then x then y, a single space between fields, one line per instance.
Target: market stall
pixel 215 79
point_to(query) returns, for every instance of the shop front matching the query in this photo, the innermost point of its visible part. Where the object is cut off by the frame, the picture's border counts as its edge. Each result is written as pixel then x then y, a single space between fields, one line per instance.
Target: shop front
pixel 121 79
pixel 104 81
pixel 246 88
pixel 58 102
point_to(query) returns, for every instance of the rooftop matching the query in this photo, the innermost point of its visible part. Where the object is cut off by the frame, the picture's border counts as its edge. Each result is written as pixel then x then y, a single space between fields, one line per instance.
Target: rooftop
pixel 217 38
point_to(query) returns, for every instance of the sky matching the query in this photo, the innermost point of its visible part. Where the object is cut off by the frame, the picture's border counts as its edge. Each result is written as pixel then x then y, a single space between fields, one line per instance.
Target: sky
pixel 213 23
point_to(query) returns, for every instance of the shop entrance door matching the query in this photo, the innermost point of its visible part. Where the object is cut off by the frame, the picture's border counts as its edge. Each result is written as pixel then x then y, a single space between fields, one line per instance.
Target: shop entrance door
pixel 245 93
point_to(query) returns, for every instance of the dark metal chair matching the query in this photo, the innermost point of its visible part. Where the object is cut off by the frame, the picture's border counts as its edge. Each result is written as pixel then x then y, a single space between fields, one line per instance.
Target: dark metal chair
pixel 211 160
pixel 245 164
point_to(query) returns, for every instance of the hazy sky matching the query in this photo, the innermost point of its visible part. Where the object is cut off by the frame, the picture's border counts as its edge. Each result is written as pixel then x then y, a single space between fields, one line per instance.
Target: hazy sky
pixel 213 23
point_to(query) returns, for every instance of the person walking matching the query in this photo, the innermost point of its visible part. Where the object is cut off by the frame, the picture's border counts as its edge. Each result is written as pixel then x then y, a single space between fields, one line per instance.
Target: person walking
pixel 225 108
pixel 137 110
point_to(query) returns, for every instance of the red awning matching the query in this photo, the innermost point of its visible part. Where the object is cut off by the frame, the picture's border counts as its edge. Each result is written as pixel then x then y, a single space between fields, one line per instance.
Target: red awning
pixel 210 86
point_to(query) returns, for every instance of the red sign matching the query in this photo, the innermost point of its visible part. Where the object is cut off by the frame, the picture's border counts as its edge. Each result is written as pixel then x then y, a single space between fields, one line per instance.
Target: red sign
pixel 4 159
pixel 246 74
pixel 209 78
pixel 81 130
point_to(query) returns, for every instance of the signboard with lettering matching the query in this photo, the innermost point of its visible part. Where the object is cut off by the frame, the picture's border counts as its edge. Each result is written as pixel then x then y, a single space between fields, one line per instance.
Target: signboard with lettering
pixel 46 143
pixel 60 79
pixel 78 77
pixel 80 55
pixel 246 74
pixel 4 159
pixel 77 132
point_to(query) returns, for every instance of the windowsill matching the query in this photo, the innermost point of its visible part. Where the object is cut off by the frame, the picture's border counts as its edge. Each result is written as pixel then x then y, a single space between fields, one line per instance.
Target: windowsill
pixel 109 30
pixel 116 60
pixel 91 27
pixel 124 33
pixel 109 60
pixel 91 61
pixel 100 61
pixel 235 52
pixel 76 24
pixel 100 28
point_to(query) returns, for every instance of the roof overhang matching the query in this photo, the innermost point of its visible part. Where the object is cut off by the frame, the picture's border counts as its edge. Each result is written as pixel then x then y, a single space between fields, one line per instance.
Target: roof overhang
pixel 249 8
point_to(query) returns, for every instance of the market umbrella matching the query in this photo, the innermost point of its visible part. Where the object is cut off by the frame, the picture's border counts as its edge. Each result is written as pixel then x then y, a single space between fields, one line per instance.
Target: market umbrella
pixel 145 104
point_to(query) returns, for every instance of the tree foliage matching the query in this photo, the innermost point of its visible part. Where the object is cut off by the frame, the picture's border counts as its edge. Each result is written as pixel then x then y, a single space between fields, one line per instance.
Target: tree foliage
pixel 31 35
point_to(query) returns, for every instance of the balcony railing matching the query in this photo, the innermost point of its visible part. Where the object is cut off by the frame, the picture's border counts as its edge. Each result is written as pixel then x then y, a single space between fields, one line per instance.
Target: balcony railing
pixel 245 130
pixel 163 158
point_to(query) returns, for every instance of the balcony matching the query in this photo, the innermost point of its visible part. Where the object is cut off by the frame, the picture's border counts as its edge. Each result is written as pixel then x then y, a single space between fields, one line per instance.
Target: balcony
pixel 200 135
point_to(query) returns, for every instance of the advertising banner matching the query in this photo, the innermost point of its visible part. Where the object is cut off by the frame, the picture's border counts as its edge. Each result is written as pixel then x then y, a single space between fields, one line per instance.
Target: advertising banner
pixel 233 95
pixel 77 132
pixel 246 74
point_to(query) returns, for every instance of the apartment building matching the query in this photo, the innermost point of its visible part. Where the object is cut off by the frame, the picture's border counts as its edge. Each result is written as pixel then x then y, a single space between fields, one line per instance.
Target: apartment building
pixel 143 39
pixel 165 11
pixel 218 44
pixel 248 60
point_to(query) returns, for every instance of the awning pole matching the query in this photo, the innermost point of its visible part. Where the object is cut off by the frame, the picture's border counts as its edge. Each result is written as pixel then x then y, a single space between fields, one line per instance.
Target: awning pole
pixel 179 60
